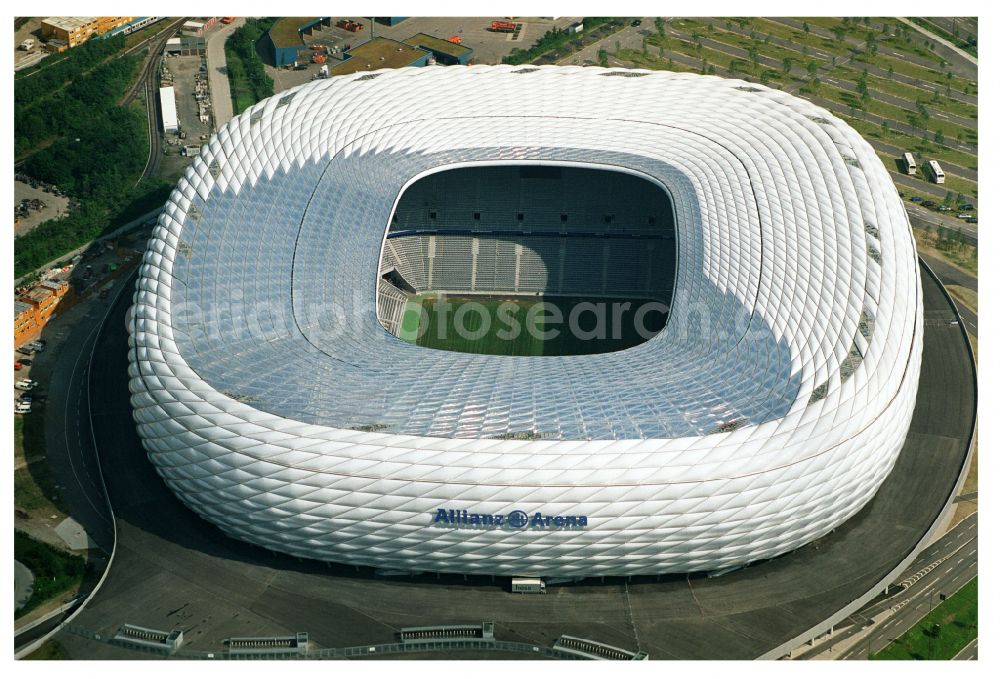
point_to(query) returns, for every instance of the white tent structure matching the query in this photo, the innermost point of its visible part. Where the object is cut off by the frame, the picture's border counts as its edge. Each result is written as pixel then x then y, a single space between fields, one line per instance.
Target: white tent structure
pixel 766 413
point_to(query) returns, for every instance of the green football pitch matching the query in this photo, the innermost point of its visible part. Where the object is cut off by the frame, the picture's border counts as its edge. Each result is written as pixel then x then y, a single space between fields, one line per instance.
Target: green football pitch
pixel 528 326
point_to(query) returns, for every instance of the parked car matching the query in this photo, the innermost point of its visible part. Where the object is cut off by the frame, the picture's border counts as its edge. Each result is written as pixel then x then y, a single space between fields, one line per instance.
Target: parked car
pixel 916 199
pixel 944 208
pixel 963 216
pixel 22 408
pixel 972 220
pixel 928 203
pixel 25 384
pixel 27 351
pixel 25 361
pixel 18 365
pixel 25 399
pixel 636 22
pixel 967 206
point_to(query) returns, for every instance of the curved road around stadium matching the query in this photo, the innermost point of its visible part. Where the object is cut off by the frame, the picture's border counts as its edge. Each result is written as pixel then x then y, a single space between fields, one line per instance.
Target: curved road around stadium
pixel 175 571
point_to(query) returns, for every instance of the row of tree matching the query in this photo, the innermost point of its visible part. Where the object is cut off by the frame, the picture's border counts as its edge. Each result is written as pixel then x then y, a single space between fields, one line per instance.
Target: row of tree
pixel 553 38
pixel 247 70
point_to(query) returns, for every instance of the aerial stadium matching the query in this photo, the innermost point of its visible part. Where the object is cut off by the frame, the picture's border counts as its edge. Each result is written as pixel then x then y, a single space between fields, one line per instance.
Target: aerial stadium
pixel 283 390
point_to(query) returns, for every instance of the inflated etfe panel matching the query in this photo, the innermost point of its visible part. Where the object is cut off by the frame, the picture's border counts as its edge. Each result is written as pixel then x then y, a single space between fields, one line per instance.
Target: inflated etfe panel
pixel 767 412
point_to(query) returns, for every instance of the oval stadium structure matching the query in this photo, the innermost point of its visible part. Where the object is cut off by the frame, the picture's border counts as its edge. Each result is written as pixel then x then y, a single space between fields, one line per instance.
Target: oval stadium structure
pixel 273 396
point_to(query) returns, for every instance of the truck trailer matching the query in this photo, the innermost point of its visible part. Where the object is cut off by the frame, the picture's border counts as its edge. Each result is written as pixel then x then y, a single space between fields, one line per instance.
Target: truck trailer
pixel 527 586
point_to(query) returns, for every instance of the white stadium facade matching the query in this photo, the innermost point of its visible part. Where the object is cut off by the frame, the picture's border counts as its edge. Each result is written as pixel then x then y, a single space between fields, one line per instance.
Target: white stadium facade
pixel 273 401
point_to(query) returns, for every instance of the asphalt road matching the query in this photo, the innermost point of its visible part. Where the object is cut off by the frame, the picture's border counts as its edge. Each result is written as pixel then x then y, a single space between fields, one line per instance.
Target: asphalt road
pixel 952 275
pixel 943 569
pixel 174 570
pixel 970 652
pixel 218 76
pixel 928 567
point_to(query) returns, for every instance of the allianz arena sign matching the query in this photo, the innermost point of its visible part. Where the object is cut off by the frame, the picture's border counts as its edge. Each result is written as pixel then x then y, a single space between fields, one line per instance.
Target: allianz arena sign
pixel 518 520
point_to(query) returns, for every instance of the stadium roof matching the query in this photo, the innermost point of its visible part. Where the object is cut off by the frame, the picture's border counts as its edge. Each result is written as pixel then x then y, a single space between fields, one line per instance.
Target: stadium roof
pixel 777 395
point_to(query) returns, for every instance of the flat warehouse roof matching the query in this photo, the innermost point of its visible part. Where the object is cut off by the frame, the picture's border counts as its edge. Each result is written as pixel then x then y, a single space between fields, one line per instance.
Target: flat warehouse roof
pixel 286 32
pixel 376 54
pixel 437 44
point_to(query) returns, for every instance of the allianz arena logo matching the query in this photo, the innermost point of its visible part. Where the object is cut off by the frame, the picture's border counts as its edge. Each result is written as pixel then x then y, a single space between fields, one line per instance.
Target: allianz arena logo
pixel 516 520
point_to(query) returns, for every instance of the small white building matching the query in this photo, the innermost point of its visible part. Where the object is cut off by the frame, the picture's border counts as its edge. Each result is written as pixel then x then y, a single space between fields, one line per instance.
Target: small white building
pixel 168 109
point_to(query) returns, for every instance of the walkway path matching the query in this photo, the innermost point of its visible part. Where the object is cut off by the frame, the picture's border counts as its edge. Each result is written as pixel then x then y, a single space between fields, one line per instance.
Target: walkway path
pixel 218 78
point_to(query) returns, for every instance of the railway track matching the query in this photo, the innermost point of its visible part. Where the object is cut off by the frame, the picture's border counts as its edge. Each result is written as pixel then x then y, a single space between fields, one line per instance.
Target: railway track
pixel 155 47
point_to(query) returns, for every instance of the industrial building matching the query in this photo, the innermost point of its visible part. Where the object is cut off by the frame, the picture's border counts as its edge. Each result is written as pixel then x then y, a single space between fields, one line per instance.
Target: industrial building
pixel 380 53
pixel 73 31
pixel 767 411
pixel 285 39
pixel 168 110
pixel 445 52
pixel 34 308
pixel 196 28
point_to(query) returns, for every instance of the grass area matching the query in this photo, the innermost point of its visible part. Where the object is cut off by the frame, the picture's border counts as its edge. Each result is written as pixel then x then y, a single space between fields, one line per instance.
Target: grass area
pixel 919 72
pixel 918 146
pixel 55 571
pixel 711 57
pixel 948 245
pixel 653 63
pixel 958 41
pixel 911 93
pixel 958 621
pixel 523 326
pixel 953 183
pixel 969 298
pixel 900 115
pixel 50 650
pixel 34 485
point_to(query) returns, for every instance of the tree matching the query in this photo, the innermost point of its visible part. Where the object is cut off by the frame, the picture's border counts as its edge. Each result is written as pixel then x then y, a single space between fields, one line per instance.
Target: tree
pixel 939 138
pixel 885 129
pixel 871 43
pixel 812 67
pixel 704 66
pixel 661 26
pixel 786 65
pixel 645 47
pixel 891 72
pixel 805 26
pixel 661 52
pixel 602 57
pixel 838 33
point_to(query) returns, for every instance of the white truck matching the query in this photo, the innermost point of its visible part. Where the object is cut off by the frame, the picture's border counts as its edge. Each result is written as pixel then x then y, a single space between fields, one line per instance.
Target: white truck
pixel 28 44
pixel 527 586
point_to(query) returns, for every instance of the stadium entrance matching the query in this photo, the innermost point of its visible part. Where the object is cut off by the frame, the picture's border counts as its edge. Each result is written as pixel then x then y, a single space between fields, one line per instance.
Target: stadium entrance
pixel 528 260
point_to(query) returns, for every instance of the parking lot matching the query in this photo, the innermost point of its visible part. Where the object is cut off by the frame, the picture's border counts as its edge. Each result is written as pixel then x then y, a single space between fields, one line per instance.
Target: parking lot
pixel 55 206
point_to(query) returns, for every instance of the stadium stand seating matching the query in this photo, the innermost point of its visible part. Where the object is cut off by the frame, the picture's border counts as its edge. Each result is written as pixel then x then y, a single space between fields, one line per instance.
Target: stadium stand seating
pixel 530 230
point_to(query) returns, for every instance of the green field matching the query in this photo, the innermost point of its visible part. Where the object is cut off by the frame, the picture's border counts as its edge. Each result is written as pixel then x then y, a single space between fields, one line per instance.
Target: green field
pixel 533 326
pixel 958 620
